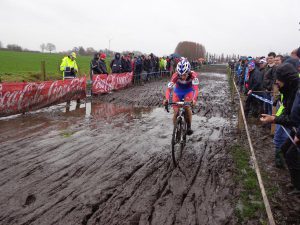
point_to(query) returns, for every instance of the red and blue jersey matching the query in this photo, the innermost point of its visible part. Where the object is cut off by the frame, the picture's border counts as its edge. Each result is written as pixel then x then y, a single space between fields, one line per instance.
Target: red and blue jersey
pixel 183 87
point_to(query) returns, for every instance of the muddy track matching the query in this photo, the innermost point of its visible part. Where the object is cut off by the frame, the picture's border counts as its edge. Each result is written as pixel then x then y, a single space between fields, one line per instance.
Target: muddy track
pixel 107 163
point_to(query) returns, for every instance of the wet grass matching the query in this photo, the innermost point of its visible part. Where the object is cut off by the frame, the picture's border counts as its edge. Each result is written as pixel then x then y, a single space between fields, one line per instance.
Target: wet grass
pixel 26 66
pixel 67 134
pixel 230 81
pixel 250 204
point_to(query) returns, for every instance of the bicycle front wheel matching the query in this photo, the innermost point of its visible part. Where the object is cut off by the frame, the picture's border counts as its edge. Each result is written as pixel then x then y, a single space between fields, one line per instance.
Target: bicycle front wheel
pixel 177 142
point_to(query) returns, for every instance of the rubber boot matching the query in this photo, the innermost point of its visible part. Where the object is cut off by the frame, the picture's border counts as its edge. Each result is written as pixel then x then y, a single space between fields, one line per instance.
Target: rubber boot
pixel 295 180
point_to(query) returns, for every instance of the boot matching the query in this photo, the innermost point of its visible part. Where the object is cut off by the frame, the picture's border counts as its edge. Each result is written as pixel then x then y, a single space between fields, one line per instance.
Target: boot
pixel 189 131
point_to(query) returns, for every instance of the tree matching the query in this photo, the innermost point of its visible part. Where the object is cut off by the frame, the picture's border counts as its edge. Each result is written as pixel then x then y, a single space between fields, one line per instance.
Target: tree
pixel 14 47
pixel 81 51
pixel 90 51
pixel 43 47
pixel 1 45
pixel 190 50
pixel 50 47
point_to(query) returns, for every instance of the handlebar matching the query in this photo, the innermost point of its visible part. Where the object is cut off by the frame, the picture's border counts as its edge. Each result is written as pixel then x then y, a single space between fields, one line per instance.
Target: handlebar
pixel 181 104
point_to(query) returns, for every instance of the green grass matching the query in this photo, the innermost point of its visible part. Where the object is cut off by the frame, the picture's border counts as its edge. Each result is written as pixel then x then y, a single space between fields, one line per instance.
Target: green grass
pixel 250 204
pixel 67 134
pixel 19 66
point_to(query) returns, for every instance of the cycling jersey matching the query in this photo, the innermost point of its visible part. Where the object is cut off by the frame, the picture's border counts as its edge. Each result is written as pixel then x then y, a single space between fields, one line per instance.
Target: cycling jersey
pixel 183 89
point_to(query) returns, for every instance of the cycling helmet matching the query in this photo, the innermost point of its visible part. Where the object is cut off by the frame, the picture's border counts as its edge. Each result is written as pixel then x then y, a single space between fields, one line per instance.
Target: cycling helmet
pixel 183 67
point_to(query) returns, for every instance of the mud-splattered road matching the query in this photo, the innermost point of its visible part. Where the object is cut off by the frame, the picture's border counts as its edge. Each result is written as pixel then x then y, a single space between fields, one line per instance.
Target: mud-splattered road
pixel 107 163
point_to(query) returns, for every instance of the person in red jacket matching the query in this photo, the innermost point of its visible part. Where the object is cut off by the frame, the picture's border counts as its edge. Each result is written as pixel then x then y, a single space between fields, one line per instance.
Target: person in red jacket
pixel 185 84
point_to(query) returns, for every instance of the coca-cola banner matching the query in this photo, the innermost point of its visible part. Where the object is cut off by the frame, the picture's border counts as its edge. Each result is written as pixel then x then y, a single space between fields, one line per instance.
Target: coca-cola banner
pixel 105 83
pixel 26 96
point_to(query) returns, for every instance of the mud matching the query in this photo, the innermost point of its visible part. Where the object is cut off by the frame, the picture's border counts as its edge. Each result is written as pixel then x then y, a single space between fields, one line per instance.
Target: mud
pixel 108 162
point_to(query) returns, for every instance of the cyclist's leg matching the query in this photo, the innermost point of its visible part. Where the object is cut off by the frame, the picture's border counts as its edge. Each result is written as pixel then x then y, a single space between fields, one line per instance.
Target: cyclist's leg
pixel 188 98
pixel 175 98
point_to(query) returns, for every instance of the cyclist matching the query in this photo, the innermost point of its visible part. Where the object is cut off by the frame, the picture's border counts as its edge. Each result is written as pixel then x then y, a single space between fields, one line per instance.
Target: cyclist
pixel 185 84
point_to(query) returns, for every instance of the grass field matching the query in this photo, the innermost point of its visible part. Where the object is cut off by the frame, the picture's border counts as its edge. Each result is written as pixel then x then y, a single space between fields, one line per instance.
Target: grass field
pixel 19 66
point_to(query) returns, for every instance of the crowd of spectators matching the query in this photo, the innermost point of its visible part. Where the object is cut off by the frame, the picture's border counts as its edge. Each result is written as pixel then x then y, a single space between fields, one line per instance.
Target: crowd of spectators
pixel 144 67
pixel 271 85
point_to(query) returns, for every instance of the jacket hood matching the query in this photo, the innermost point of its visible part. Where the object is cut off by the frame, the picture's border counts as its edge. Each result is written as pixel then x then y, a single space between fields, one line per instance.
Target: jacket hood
pixel 117 55
pixel 287 74
pixel 96 56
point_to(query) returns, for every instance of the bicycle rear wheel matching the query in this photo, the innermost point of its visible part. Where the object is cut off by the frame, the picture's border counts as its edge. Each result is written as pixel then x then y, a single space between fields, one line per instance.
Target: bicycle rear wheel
pixel 177 140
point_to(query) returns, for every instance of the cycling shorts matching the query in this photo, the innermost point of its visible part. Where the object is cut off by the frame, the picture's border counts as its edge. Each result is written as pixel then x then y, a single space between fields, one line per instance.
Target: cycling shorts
pixel 183 95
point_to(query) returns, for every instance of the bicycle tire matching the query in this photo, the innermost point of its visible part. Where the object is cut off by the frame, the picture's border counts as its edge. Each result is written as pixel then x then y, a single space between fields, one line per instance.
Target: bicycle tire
pixel 176 139
pixel 184 130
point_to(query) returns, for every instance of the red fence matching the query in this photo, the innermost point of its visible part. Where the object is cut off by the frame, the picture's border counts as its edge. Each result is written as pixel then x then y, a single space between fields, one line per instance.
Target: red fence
pixel 26 96
pixel 105 83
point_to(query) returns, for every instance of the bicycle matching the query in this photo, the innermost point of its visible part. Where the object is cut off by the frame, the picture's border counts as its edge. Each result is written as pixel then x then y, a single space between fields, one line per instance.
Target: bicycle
pixel 179 130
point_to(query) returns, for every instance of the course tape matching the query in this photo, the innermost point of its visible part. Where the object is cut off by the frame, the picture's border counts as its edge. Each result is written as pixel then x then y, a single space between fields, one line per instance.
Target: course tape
pixel 262 99
pixel 287 133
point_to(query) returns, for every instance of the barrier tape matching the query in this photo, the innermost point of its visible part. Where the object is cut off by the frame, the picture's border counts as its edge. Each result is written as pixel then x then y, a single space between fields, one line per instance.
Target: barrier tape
pixel 287 133
pixel 262 99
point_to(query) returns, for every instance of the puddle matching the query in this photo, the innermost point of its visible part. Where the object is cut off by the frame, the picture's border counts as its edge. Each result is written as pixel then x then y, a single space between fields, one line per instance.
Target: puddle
pixel 62 117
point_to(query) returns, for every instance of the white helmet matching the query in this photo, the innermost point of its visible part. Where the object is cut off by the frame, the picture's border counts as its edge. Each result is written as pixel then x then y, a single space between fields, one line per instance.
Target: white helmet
pixel 183 67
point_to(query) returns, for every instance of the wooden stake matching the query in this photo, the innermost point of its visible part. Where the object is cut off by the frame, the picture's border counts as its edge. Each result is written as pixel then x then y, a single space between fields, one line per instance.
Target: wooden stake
pixel 43 70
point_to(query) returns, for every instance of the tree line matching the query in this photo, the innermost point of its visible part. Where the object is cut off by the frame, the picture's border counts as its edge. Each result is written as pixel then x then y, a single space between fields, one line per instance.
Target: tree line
pixel 190 50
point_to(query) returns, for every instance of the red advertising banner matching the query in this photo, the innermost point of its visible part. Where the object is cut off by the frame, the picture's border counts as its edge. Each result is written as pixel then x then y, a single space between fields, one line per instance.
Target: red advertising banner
pixel 27 96
pixel 105 83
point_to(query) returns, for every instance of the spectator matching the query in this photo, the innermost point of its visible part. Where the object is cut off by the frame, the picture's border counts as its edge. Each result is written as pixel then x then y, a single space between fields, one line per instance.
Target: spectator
pixel 69 66
pixel 287 79
pixel 296 53
pixel 268 81
pixel 279 136
pixel 126 64
pixel 116 64
pixel 102 64
pixel 278 60
pixel 94 66
pixel 254 85
pixel 294 61
pixel 148 67
pixel 138 68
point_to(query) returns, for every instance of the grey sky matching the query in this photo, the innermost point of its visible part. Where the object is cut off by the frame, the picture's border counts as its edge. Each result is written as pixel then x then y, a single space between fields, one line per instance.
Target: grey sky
pixel 234 26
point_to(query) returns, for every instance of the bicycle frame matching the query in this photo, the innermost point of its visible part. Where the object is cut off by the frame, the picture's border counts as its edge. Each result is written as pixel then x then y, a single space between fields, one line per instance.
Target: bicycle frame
pixel 179 130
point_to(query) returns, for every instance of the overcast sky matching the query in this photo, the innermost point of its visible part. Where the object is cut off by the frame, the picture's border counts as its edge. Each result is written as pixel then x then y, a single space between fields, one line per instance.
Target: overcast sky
pixel 252 27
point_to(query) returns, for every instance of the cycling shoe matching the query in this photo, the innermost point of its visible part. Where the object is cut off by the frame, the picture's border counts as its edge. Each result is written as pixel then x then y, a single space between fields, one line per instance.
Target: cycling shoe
pixel 189 132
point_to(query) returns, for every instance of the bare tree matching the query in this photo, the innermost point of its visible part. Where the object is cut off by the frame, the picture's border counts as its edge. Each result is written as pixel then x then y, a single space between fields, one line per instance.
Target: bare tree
pixel 190 50
pixel 43 47
pixel 90 51
pixel 1 46
pixel 81 50
pixel 50 47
